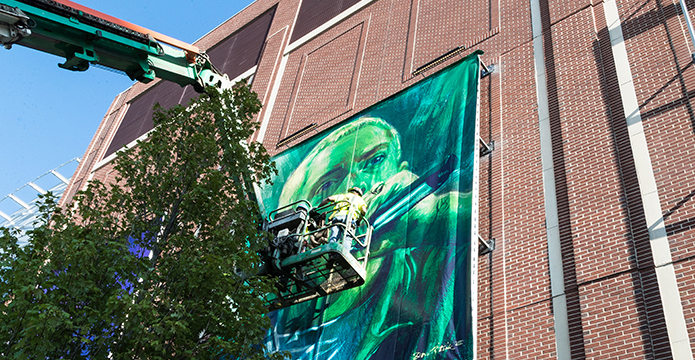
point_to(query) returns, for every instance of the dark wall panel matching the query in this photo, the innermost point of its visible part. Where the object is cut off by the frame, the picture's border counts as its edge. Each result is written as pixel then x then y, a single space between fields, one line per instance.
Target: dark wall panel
pixel 138 120
pixel 242 50
pixel 314 13
pixel 233 56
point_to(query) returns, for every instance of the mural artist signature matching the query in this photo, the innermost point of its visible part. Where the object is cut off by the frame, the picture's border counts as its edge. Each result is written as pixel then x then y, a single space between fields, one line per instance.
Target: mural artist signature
pixel 438 350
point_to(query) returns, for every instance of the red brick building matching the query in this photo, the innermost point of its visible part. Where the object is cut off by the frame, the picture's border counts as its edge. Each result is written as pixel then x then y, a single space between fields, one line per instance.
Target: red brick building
pixel 588 191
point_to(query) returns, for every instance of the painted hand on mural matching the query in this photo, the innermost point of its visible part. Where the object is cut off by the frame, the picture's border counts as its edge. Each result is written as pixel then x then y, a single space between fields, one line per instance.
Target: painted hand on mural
pixel 407 259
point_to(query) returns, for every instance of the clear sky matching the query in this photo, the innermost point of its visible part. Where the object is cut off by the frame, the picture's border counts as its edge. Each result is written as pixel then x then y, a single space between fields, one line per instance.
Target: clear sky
pixel 48 115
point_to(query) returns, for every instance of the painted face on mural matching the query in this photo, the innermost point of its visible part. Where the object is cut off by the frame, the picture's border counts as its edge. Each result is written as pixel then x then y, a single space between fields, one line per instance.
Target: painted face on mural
pixel 364 153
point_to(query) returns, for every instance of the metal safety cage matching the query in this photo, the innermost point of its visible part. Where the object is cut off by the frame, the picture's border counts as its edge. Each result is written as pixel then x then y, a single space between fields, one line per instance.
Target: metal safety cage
pixel 305 264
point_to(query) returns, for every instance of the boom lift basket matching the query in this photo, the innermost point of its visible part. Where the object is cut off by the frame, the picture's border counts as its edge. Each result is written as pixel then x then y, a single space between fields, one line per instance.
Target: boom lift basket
pixel 306 265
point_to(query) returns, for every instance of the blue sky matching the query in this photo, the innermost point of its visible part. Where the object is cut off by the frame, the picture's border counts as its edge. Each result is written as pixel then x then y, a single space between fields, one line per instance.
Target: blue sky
pixel 49 115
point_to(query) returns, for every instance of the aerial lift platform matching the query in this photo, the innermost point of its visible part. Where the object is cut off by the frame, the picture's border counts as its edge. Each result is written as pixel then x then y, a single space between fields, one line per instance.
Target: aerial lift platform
pixel 306 265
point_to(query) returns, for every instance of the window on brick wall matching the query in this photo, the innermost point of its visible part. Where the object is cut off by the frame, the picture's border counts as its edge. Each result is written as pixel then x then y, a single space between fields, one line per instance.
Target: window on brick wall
pixel 138 120
pixel 240 51
pixel 314 13
pixel 234 56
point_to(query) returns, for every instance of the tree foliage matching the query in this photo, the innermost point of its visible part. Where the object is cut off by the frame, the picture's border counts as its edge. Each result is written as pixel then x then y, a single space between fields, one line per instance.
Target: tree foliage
pixel 144 267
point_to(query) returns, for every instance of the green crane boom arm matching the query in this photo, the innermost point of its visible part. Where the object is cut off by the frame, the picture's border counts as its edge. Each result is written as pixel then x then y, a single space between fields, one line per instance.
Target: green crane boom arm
pixel 84 36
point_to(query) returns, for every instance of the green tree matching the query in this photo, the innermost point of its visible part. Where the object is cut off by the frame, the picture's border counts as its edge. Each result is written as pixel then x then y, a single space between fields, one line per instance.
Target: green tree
pixel 145 267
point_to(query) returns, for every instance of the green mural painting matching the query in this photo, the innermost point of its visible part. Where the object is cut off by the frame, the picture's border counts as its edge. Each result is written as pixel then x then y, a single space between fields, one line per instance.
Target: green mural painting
pixel 414 155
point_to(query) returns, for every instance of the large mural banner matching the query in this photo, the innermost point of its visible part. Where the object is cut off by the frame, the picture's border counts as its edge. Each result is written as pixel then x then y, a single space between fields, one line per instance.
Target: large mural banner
pixel 415 157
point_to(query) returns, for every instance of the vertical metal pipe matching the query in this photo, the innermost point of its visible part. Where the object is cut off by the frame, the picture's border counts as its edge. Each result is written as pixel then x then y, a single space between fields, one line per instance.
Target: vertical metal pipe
pixel 690 25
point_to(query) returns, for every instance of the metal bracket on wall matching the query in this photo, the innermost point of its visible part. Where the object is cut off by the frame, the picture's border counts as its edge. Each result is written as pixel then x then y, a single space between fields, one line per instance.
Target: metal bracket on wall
pixel 485 247
pixel 486 70
pixel 486 148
